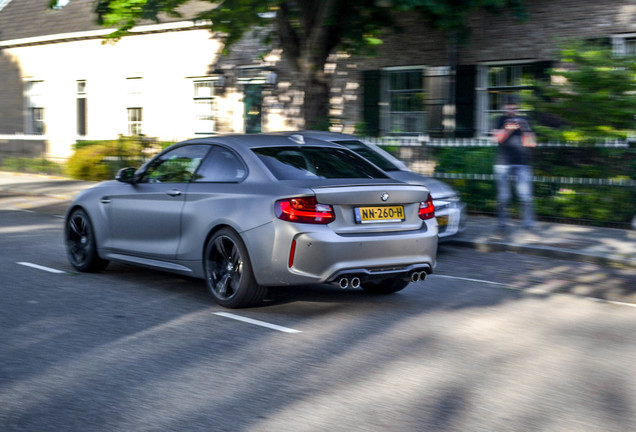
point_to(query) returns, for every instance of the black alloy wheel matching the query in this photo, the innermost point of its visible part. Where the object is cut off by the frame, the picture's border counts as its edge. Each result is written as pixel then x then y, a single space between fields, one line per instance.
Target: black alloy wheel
pixel 80 243
pixel 228 271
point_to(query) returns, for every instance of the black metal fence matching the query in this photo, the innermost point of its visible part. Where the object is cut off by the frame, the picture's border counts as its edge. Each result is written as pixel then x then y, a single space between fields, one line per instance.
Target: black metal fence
pixel 572 184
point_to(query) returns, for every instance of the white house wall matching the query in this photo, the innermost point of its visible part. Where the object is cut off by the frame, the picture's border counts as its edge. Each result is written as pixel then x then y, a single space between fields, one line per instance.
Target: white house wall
pixel 165 62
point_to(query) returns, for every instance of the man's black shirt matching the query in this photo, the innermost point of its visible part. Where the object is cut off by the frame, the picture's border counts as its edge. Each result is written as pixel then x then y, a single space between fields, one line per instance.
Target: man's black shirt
pixel 511 151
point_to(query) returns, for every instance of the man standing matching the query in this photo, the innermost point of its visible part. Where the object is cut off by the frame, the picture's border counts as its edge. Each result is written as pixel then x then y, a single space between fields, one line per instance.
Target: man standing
pixel 514 136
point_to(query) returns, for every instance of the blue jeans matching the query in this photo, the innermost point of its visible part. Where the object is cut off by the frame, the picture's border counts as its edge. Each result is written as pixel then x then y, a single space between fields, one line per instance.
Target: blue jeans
pixel 521 176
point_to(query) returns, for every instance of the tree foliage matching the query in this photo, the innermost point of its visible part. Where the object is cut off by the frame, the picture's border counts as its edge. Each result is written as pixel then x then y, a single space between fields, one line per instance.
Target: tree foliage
pixel 591 95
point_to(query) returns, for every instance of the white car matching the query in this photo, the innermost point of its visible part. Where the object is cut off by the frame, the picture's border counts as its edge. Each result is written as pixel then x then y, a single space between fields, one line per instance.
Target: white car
pixel 450 211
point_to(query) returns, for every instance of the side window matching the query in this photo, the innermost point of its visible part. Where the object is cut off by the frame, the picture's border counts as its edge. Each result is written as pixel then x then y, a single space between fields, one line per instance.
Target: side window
pixel 176 166
pixel 368 154
pixel 221 165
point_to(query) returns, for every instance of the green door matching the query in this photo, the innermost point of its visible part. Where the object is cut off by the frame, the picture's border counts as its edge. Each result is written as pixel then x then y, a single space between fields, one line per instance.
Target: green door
pixel 253 97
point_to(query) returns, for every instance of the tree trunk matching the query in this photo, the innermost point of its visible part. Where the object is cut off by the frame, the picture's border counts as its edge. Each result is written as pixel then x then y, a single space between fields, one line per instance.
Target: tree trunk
pixel 316 102
pixel 307 50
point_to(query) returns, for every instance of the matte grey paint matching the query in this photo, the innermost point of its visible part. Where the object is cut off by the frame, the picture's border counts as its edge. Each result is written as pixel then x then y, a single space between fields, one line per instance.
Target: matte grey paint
pixel 166 225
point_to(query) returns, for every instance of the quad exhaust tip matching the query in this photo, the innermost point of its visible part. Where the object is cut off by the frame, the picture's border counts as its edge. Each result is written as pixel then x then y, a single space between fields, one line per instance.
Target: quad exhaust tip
pixel 354 281
pixel 418 276
pixel 345 283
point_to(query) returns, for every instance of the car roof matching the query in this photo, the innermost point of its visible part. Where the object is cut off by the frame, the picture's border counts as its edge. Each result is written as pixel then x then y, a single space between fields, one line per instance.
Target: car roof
pixel 324 135
pixel 250 141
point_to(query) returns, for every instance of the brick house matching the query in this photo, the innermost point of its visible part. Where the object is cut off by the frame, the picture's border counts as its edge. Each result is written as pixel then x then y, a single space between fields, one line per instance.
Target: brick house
pixel 59 82
pixel 501 57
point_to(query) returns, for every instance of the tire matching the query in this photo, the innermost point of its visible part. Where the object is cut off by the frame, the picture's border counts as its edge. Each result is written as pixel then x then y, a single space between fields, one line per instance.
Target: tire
pixel 81 247
pixel 386 286
pixel 228 271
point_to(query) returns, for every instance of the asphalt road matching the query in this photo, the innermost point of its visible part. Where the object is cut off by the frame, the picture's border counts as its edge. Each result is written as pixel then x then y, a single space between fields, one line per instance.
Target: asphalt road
pixel 490 342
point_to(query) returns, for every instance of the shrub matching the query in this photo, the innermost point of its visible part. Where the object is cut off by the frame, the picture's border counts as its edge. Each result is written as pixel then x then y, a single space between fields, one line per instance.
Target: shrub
pixel 87 163
pixel 591 97
pixel 100 160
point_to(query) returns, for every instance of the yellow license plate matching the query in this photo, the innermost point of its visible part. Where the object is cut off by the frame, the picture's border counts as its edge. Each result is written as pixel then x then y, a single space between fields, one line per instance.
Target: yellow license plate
pixel 442 220
pixel 379 214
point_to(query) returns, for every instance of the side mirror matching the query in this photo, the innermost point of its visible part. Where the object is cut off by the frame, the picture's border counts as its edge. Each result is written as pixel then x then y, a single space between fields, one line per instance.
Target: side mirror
pixel 126 175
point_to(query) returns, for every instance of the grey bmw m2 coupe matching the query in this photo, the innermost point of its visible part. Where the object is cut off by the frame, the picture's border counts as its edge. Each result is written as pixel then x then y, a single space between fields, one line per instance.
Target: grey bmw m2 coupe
pixel 244 212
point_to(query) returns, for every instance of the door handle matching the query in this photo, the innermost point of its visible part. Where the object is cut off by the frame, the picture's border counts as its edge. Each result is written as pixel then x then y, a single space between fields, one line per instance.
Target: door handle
pixel 105 200
pixel 174 192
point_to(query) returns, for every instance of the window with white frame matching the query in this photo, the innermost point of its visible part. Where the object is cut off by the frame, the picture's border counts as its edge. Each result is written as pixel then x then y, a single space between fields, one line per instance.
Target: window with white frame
pixel 134 105
pixel 37 117
pixel 497 82
pixel 204 106
pixel 405 97
pixel 134 121
pixel 35 107
pixel 412 100
pixel 624 44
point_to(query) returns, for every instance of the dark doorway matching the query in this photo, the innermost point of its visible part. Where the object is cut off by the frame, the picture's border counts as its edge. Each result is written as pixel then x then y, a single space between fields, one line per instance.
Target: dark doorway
pixel 81 116
pixel 253 98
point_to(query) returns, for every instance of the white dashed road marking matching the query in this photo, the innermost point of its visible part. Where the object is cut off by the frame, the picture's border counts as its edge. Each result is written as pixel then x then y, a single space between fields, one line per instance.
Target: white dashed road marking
pixel 256 322
pixel 467 279
pixel 39 267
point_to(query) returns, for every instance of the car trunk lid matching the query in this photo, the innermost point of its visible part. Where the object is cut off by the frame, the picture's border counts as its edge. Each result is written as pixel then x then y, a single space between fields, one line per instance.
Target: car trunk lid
pixel 373 208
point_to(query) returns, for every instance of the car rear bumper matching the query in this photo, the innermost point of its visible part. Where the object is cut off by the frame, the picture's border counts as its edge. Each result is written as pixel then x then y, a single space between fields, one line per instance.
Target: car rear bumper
pixel 322 256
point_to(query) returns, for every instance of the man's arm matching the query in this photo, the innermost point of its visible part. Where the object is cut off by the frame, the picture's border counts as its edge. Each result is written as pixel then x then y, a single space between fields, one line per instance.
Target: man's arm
pixel 503 132
pixel 528 139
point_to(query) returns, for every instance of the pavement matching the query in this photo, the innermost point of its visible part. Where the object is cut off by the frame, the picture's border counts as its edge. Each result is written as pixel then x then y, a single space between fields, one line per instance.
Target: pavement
pixel 605 246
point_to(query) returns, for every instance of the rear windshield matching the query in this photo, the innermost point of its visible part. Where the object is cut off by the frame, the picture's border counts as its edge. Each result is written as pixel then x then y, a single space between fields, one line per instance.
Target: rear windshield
pixel 303 162
pixel 369 154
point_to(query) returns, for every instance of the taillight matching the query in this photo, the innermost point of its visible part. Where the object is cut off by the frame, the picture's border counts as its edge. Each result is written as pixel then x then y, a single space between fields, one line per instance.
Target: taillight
pixel 304 210
pixel 427 209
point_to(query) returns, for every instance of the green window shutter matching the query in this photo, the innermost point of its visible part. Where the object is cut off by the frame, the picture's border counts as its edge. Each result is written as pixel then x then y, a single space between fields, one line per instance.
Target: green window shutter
pixel 371 102
pixel 465 93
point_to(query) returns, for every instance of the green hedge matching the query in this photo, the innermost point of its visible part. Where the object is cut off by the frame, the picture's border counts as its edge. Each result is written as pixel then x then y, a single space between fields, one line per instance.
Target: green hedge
pixel 612 205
